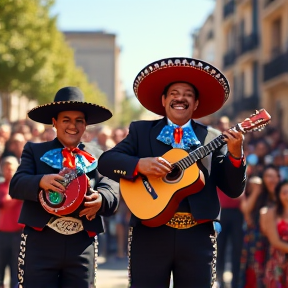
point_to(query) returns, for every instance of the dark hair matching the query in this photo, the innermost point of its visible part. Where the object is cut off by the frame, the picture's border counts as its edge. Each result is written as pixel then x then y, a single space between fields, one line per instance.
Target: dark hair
pixel 172 83
pixel 279 205
pixel 263 199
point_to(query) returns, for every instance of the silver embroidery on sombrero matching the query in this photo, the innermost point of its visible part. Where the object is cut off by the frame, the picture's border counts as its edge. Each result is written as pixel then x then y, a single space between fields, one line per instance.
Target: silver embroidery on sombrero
pixel 213 239
pixel 21 259
pixel 130 236
pixel 66 102
pixel 194 64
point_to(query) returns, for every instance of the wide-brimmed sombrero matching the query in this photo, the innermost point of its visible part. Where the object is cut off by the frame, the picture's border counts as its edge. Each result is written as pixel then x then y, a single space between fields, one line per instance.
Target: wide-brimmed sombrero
pixel 212 85
pixel 69 99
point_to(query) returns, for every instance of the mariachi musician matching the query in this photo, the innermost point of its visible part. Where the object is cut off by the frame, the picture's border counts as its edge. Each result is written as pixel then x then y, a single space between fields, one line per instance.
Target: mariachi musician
pixel 58 242
pixel 180 89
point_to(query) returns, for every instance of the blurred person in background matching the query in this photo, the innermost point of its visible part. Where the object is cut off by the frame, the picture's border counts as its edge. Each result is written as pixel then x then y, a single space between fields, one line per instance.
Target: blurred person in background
pixel 260 192
pixel 49 134
pixel 123 214
pixel 24 129
pixel 15 145
pixel 260 156
pixel 10 230
pixel 274 224
pixel 37 130
pixel 90 143
pixel 5 131
pixel 103 138
pixel 231 236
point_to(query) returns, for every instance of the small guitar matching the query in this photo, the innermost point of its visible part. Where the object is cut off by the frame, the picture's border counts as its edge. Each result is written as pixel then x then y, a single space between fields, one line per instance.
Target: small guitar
pixel 68 202
pixel 155 200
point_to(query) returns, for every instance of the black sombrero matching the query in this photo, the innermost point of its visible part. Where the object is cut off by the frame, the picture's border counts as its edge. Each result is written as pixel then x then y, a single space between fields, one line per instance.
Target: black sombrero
pixel 69 99
pixel 212 85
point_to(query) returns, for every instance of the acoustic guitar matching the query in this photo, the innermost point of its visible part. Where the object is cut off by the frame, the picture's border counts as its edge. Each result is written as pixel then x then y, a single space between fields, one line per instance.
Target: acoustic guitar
pixel 155 200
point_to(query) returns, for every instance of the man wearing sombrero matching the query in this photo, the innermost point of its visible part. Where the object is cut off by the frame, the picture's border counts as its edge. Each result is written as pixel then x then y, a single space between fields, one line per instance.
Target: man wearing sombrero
pixel 63 196
pixel 180 89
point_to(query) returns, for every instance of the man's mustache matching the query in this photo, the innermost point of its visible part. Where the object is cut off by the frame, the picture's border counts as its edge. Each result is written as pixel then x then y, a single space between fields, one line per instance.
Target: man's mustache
pixel 177 102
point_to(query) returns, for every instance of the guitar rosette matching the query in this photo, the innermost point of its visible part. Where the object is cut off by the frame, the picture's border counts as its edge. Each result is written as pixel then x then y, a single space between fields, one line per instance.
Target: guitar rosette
pixel 76 184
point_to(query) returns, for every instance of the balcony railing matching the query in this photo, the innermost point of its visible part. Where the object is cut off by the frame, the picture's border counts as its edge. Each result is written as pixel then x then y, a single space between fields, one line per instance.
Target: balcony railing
pixel 229 58
pixel 248 43
pixel 246 103
pixel 228 8
pixel 276 67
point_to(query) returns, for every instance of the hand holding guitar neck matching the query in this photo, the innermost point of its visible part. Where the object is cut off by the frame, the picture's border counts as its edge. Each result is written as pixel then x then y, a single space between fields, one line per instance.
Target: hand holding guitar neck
pixel 234 140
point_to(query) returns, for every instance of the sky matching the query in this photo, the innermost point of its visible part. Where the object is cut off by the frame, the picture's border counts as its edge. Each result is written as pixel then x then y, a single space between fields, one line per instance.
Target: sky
pixel 146 30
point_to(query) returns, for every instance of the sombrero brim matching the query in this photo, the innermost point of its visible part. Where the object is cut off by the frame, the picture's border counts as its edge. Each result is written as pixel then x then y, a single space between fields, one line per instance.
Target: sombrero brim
pixel 212 85
pixel 93 112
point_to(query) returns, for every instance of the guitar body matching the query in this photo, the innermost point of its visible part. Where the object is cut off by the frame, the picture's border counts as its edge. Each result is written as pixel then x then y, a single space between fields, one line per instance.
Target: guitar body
pixel 155 200
pixel 73 197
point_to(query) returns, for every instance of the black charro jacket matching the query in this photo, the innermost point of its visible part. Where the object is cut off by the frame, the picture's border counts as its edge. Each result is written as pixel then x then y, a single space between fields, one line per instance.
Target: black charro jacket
pixel 141 142
pixel 25 186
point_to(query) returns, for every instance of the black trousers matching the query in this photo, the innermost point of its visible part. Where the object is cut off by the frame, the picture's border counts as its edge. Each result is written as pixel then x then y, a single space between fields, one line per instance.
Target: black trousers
pixel 231 234
pixel 158 252
pixel 48 259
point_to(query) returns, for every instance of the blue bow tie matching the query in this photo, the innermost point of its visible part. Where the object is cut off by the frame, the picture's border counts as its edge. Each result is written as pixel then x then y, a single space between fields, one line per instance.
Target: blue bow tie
pixel 188 139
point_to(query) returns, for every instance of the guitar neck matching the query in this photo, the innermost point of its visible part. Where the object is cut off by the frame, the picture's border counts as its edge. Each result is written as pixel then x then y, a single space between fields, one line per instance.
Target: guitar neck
pixel 201 152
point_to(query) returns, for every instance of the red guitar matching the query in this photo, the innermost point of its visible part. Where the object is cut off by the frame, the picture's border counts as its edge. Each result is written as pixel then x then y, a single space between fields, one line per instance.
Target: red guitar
pixel 66 203
pixel 155 200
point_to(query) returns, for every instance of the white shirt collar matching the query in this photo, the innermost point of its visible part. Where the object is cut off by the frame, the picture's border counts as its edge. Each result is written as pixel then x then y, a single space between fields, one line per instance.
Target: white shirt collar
pixel 188 124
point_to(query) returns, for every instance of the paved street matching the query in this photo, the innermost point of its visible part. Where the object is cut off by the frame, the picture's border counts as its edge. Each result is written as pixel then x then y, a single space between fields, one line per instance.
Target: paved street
pixel 112 273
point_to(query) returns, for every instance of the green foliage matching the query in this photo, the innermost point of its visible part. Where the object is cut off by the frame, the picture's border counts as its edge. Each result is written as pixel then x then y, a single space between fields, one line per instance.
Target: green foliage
pixel 35 60
pixel 131 110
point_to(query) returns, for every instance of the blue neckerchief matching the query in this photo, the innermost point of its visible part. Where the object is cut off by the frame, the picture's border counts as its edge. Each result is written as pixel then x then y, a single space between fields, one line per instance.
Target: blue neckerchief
pixel 188 140
pixel 54 158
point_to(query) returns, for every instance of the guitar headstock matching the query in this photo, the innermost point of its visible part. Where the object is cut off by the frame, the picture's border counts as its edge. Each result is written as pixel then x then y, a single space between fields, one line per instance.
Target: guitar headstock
pixel 256 122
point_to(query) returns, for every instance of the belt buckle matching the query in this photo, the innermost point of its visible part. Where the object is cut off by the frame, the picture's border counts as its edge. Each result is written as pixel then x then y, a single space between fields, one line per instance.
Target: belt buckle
pixel 66 225
pixel 182 220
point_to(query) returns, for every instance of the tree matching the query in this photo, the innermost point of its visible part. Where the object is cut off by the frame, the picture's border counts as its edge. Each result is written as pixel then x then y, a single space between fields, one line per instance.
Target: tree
pixel 131 110
pixel 35 60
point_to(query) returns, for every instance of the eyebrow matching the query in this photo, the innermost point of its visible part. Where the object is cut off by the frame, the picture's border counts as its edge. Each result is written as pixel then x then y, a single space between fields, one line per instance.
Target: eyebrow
pixel 79 117
pixel 189 89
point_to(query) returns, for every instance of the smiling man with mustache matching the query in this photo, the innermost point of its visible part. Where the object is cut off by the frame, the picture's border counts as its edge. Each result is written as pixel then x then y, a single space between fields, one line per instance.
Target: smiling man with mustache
pixel 180 89
pixel 58 248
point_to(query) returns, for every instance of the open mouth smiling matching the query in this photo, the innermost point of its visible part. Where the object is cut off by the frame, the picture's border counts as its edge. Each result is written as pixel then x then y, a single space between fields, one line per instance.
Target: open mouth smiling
pixel 179 106
pixel 71 132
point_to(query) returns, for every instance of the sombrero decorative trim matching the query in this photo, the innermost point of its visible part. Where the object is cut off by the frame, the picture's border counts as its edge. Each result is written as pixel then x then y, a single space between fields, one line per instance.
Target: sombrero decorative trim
pixel 212 85
pixel 94 113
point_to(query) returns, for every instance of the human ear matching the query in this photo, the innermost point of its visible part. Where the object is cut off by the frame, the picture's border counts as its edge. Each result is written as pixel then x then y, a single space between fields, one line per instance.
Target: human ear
pixel 163 100
pixel 53 122
pixel 196 104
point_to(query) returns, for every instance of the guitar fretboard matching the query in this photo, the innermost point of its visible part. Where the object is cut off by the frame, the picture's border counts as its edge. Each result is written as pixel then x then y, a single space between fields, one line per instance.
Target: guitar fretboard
pixel 201 152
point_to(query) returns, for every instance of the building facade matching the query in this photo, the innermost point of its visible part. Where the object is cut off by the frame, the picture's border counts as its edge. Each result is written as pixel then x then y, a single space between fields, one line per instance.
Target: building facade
pixel 251 48
pixel 98 55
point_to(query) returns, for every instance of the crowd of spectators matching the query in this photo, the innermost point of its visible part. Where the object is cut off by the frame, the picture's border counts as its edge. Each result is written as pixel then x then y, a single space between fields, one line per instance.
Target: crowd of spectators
pixel 265 151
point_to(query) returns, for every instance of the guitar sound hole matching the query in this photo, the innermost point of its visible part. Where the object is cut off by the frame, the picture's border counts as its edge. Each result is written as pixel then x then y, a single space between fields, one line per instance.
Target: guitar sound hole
pixel 54 199
pixel 174 175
